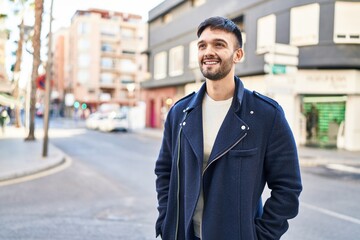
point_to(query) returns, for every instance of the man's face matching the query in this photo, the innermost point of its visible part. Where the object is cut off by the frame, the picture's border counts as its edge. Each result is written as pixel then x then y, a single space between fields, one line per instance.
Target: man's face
pixel 216 53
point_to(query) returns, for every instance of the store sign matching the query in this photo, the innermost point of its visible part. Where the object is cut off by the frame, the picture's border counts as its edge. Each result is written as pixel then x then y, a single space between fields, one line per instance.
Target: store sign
pixel 334 82
pixel 279 69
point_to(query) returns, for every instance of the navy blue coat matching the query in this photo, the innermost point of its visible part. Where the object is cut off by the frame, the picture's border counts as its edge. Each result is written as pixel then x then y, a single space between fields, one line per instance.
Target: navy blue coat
pixel 254 146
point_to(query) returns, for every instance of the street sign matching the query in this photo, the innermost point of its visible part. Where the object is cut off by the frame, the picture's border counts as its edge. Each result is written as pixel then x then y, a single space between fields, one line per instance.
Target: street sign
pixel 272 58
pixel 281 49
pixel 279 69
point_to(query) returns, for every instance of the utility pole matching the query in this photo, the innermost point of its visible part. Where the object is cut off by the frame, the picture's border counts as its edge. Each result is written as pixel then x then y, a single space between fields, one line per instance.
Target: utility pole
pixel 48 87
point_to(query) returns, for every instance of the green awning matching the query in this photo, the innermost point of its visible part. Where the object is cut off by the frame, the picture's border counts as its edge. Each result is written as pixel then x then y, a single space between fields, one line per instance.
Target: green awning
pixel 9 101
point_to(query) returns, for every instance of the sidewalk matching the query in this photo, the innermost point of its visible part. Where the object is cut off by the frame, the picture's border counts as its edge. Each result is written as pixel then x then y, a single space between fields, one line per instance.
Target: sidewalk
pixel 20 159
pixel 317 156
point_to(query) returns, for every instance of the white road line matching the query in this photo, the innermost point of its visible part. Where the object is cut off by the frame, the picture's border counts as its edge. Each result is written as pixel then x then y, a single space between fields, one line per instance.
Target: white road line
pixel 343 168
pixel 41 174
pixel 331 213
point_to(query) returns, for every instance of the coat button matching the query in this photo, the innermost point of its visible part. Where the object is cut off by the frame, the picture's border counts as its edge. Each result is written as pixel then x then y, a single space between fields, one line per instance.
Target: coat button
pixel 183 123
pixel 243 127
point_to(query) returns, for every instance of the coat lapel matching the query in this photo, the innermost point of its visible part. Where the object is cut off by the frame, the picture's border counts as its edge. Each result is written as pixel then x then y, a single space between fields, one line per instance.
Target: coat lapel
pixel 233 128
pixel 193 131
pixel 193 128
pixel 231 131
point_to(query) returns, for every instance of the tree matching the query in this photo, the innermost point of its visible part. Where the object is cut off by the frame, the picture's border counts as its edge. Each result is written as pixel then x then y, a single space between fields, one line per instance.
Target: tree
pixel 17 65
pixel 36 43
pixel 16 92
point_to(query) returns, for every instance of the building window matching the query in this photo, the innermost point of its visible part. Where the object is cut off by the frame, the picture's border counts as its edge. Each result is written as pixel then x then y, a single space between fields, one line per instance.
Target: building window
pixel 84 28
pixel 128 33
pixel 176 61
pixel 193 54
pixel 127 65
pixel 109 30
pixel 83 76
pixel 160 65
pixel 107 78
pixel 304 25
pixel 167 18
pixel 84 60
pixel 347 22
pixel 127 79
pixel 107 63
pixel 106 47
pixel 196 3
pixel 266 33
pixel 83 44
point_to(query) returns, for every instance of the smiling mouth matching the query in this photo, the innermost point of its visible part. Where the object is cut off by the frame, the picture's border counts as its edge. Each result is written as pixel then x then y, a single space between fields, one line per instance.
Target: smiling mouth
pixel 208 63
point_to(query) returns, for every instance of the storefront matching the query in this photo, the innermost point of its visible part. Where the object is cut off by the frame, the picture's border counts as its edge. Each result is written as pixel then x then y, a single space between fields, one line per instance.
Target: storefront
pixel 324 116
pixel 321 106
pixel 326 108
pixel 158 102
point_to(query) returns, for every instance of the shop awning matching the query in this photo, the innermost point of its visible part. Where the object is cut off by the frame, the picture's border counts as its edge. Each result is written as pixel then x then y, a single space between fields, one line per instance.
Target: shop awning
pixel 9 101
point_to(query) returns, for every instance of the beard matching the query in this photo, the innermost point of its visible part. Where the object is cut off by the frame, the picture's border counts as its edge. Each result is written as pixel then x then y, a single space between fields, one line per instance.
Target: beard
pixel 220 72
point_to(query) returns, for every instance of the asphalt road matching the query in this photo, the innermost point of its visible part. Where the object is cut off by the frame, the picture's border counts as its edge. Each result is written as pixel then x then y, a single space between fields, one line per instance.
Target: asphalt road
pixel 109 193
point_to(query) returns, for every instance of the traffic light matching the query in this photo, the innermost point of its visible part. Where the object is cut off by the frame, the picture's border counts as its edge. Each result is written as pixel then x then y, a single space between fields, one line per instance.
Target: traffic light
pixel 83 106
pixel 76 104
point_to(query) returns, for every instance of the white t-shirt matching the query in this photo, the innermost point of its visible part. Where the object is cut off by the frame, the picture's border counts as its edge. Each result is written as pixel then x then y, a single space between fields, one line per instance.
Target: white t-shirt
pixel 214 113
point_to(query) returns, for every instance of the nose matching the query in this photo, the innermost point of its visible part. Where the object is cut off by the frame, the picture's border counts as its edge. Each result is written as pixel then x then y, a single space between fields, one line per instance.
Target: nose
pixel 208 51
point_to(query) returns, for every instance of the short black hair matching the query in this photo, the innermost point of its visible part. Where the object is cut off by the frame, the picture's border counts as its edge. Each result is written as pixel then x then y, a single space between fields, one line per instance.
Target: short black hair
pixel 221 23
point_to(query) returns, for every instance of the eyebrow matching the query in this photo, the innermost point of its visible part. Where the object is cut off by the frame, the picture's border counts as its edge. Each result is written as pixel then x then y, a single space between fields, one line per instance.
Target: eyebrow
pixel 214 40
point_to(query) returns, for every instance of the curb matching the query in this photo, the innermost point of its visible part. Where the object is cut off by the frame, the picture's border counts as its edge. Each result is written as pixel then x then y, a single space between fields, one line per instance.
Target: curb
pixel 32 175
pixel 29 172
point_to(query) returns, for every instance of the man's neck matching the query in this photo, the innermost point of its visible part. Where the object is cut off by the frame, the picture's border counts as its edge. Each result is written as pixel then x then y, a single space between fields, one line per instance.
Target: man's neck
pixel 222 89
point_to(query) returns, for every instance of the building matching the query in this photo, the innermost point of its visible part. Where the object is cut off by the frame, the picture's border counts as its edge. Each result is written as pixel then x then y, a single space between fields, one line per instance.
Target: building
pixel 99 60
pixel 61 81
pixel 305 54
pixel 3 75
pixel 6 87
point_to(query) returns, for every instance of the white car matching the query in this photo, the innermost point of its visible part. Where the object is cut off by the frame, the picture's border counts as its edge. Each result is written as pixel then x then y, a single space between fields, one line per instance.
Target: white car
pixel 93 121
pixel 114 121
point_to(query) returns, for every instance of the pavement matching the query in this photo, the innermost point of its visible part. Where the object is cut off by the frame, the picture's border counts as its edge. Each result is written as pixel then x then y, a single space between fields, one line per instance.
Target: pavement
pixel 22 160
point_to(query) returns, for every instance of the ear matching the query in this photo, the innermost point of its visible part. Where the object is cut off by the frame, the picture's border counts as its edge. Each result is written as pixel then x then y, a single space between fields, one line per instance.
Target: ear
pixel 238 54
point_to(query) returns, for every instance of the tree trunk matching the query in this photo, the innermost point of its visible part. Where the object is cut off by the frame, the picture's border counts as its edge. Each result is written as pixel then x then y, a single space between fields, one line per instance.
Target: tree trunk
pixel 39 7
pixel 17 67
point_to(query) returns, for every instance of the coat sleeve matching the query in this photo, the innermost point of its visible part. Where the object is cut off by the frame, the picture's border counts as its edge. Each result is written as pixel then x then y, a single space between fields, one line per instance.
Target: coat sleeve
pixel 163 172
pixel 282 174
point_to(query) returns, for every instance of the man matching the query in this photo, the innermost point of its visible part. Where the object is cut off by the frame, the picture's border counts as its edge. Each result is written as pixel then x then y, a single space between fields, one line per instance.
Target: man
pixel 221 146
pixel 3 119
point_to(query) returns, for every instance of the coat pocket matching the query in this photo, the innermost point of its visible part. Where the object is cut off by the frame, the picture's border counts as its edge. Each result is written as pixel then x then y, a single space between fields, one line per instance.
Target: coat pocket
pixel 243 152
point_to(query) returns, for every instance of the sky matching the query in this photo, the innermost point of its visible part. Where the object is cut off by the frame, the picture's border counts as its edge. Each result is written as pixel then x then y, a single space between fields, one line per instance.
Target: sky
pixel 63 10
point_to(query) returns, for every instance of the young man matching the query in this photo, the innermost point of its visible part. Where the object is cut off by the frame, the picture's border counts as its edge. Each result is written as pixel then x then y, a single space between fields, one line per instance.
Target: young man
pixel 221 146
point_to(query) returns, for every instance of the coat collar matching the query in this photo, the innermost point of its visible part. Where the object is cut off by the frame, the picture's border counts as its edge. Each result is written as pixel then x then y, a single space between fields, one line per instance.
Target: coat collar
pixel 232 129
pixel 238 96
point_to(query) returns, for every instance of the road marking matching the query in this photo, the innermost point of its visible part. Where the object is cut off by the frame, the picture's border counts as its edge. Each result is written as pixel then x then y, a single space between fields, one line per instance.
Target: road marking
pixel 332 213
pixel 63 166
pixel 343 168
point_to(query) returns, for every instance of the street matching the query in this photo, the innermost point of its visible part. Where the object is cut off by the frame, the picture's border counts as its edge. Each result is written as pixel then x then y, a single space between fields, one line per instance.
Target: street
pixel 109 193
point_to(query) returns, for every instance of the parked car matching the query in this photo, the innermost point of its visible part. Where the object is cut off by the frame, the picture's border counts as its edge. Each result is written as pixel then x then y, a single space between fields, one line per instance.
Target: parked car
pixel 114 121
pixel 92 122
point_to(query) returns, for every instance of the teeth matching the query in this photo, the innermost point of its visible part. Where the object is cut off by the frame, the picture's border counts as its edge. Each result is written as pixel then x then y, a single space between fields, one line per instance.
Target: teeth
pixel 210 63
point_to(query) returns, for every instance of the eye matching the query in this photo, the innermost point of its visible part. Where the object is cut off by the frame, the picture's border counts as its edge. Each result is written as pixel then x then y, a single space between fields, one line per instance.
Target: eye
pixel 219 44
pixel 201 46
